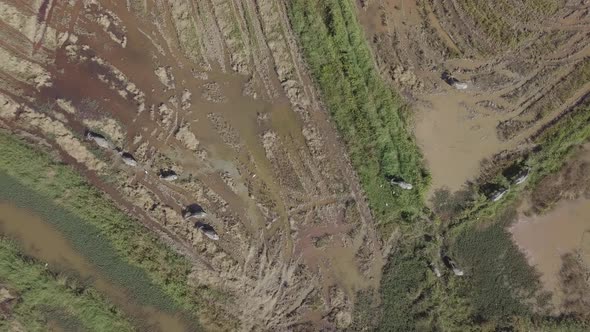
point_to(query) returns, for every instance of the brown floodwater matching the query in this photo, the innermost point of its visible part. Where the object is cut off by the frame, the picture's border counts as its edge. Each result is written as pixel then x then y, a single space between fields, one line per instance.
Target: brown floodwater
pixel 453 139
pixel 41 241
pixel 545 238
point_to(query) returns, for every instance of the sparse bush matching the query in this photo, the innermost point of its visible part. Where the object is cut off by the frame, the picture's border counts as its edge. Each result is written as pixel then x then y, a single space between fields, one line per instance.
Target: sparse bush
pixel 401 288
pixel 449 205
pixel 364 317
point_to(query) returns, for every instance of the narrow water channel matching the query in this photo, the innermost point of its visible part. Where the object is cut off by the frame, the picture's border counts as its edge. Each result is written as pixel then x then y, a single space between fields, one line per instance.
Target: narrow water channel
pixel 39 239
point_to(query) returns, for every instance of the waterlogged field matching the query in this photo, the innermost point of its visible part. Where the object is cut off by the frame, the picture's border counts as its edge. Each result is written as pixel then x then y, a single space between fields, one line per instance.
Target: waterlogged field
pixel 525 106
pixel 502 288
pixel 286 121
pixel 546 238
pixel 216 92
pixel 124 251
pixel 472 229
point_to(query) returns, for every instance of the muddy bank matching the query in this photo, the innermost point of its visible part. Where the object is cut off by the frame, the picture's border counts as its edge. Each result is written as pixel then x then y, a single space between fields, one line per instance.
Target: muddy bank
pixel 454 139
pixel 554 223
pixel 514 82
pixel 34 224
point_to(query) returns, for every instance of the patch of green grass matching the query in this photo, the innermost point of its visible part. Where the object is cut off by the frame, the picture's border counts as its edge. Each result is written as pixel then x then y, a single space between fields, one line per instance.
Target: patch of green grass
pixel 405 293
pixel 371 118
pixel 500 279
pixel 119 245
pixel 558 141
pixel 42 298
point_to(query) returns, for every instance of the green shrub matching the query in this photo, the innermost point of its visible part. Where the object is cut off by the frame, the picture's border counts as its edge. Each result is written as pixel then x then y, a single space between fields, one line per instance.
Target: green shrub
pixel 408 289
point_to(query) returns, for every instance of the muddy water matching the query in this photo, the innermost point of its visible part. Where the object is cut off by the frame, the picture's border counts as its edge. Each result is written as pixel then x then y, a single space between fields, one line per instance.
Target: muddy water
pixel 40 240
pixel 453 133
pixel 337 260
pixel 454 139
pixel 545 238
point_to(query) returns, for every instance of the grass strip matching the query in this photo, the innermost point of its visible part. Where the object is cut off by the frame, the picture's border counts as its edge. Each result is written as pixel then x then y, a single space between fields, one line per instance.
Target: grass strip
pixel 368 115
pixel 43 297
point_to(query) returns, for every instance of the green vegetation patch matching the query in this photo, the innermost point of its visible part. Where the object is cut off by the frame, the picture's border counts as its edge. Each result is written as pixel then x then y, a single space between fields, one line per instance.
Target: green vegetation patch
pixel 43 298
pixel 500 281
pixel 405 287
pixel 559 140
pixel 368 115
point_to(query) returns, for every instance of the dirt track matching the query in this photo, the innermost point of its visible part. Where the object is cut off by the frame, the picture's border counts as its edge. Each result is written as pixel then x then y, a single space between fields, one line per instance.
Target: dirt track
pixel 525 62
pixel 216 91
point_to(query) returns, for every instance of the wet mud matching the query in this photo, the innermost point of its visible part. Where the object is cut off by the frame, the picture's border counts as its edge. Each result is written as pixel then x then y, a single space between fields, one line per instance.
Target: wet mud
pixel 546 238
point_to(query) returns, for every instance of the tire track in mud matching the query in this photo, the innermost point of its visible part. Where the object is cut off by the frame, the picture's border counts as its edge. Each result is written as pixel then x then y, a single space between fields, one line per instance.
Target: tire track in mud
pixel 104 70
